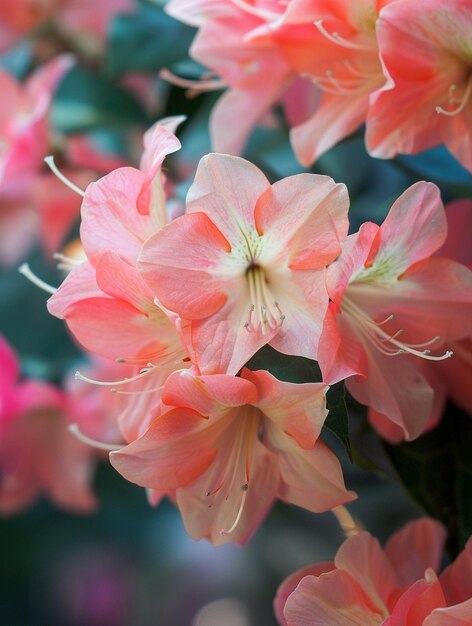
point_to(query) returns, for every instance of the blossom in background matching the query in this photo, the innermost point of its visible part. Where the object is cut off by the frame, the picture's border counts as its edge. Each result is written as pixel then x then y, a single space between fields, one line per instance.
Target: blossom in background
pixel 427 53
pixel 255 74
pixel 87 18
pixel 334 45
pixel 38 454
pixel 225 447
pixel 246 264
pixel 391 587
pixel 394 305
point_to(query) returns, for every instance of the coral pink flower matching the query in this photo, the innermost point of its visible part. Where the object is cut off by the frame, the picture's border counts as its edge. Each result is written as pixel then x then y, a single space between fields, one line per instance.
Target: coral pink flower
pixel 366 585
pixel 246 264
pixel 227 446
pixel 333 44
pixel 20 18
pixel 106 303
pixel 426 51
pixel 255 73
pixel 38 454
pixel 393 305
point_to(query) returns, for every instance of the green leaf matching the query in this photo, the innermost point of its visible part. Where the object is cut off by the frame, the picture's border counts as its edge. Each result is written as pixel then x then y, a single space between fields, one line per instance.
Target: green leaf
pixel 436 471
pixel 86 101
pixel 337 421
pixel 292 369
pixel 146 41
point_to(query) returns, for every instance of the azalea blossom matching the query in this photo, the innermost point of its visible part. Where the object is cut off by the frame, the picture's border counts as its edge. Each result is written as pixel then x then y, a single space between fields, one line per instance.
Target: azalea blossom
pixel 394 306
pixel 21 18
pixel 426 51
pixel 104 300
pixel 394 586
pixel 255 73
pixel 225 447
pixel 334 45
pixel 38 454
pixel 246 264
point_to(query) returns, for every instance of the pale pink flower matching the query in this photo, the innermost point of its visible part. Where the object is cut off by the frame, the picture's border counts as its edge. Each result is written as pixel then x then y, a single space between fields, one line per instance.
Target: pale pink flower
pixel 368 586
pixel 246 264
pixel 20 18
pixel 226 447
pixel 425 48
pixel 334 45
pixel 393 306
pixel 38 454
pixel 255 73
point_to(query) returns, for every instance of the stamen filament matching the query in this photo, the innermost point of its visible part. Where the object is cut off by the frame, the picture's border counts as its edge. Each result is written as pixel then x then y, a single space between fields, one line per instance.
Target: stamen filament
pixel 194 86
pixel 373 332
pixel 75 430
pixel 264 310
pixel 26 271
pixel 461 102
pixel 337 39
pixel 252 10
pixel 143 373
pixel 49 160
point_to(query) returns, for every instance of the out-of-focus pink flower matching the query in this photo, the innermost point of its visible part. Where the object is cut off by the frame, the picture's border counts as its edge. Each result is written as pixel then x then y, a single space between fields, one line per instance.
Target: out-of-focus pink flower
pixel 227 446
pixel 38 454
pixel 255 73
pixel 366 585
pixel 20 18
pixel 392 305
pixel 246 264
pixel 426 51
pixel 333 44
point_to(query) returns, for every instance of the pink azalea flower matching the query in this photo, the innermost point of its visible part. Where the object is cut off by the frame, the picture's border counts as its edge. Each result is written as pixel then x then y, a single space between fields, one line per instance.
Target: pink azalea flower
pixel 393 306
pixel 38 454
pixel 366 585
pixel 226 447
pixel 20 18
pixel 255 73
pixel 107 305
pixel 426 51
pixel 246 264
pixel 333 44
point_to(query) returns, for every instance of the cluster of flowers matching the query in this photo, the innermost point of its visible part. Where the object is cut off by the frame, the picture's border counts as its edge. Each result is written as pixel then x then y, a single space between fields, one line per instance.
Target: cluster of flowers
pixel 182 305
pixel 397 586
pixel 402 67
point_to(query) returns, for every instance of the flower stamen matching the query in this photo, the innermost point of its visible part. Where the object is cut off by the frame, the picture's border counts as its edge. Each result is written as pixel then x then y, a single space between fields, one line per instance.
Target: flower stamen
pixel 337 39
pixel 460 102
pixel 264 310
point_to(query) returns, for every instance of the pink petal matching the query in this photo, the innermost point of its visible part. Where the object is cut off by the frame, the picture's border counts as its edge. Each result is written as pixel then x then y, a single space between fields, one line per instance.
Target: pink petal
pixel 362 557
pixel 297 409
pixel 208 394
pixel 80 284
pixel 456 580
pixel 336 118
pixel 307 214
pixel 415 548
pixel 227 188
pixel 291 583
pixel 181 263
pixel 110 220
pixel 420 205
pixel 417 602
pixel 458 615
pixel 332 599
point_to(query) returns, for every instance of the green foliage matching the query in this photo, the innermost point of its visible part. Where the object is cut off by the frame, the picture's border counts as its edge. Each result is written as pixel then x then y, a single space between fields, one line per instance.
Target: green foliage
pixel 436 471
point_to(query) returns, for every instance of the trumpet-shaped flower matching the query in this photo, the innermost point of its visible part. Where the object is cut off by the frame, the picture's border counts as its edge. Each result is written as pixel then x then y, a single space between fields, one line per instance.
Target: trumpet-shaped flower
pixel 426 50
pixel 394 306
pixel 246 264
pixel 396 586
pixel 226 447
pixel 334 45
pixel 256 74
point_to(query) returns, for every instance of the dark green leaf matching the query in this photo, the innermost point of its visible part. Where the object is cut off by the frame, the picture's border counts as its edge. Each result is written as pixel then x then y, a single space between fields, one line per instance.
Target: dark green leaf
pixel 292 369
pixel 146 41
pixel 86 101
pixel 437 472
pixel 337 421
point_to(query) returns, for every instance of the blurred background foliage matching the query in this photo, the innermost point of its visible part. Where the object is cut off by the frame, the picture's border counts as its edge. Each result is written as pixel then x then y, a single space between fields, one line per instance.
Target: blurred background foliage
pixel 129 564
